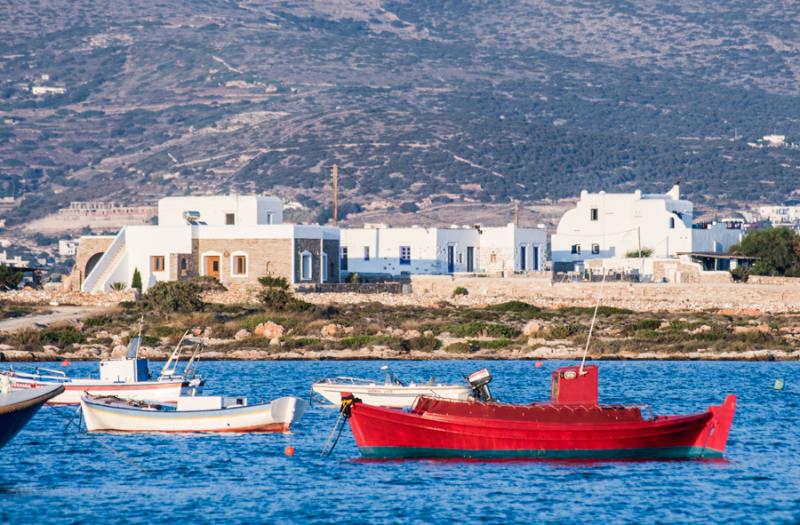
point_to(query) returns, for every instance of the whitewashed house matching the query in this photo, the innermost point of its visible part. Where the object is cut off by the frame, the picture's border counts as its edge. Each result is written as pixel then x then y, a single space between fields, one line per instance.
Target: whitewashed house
pixel 378 249
pixel 235 239
pixel 613 225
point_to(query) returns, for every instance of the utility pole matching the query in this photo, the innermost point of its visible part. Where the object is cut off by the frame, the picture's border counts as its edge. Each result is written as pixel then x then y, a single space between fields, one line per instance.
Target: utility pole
pixel 516 214
pixel 335 174
pixel 639 239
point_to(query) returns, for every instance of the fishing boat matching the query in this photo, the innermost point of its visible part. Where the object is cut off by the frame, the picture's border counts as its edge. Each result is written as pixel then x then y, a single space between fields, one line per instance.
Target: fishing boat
pixel 170 373
pixel 17 407
pixel 127 377
pixel 392 392
pixel 191 414
pixel 571 425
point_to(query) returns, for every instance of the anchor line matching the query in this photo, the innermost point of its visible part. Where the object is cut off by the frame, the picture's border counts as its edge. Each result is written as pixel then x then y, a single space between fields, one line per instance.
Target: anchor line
pixel 337 429
pixel 80 431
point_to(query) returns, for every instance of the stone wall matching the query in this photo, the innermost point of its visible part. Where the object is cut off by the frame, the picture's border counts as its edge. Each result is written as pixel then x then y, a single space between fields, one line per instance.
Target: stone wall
pixel 264 256
pixel 88 247
pixel 773 279
pixel 638 296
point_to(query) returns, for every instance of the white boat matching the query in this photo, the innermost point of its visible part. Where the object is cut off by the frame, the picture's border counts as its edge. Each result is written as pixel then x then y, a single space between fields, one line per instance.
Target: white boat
pixel 189 375
pixel 128 378
pixel 18 407
pixel 192 414
pixel 391 393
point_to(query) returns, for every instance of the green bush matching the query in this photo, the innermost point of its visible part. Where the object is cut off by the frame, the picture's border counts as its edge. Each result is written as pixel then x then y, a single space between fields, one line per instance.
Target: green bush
pixel 424 343
pixel 589 310
pixel 207 283
pixel 460 291
pixel 98 320
pixel 136 281
pixel 492 343
pixel 117 286
pixel 635 254
pixel 168 297
pixel 519 307
pixel 565 331
pixel 461 348
pixel 361 341
pixel 61 336
pixel 477 329
pixel 9 278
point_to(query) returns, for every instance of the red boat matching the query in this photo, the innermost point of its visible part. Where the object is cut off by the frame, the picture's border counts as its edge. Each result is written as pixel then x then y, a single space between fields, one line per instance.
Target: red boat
pixel 571 425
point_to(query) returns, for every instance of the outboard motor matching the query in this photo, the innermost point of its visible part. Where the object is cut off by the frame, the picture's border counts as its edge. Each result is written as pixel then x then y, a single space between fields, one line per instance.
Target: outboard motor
pixel 480 384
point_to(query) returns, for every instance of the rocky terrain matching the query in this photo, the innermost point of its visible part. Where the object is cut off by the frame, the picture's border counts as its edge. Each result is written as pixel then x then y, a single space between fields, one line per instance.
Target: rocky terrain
pixel 422 104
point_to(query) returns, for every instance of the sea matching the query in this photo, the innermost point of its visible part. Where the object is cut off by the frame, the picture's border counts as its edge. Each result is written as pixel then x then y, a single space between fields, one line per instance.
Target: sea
pixel 52 473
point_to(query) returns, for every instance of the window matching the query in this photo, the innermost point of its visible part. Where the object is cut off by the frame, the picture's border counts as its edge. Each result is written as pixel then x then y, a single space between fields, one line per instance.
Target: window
pixel 184 263
pixel 230 218
pixel 366 253
pixel 576 248
pixel 343 259
pixel 672 223
pixel 305 266
pixel 493 257
pixel 595 248
pixel 405 255
pixel 270 217
pixel 324 267
pixel 157 263
pixel 593 214
pixel 239 265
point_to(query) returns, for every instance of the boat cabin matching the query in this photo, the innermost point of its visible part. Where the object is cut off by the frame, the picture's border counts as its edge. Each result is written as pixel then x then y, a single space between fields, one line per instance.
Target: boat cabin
pixel 209 402
pixel 573 386
pixel 124 370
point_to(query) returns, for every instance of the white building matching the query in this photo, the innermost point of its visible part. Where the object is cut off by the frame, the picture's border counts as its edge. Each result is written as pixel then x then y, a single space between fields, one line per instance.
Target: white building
pixel 228 210
pixel 68 247
pixel 613 225
pixel 378 249
pixel 48 90
pixel 781 215
pixel 235 239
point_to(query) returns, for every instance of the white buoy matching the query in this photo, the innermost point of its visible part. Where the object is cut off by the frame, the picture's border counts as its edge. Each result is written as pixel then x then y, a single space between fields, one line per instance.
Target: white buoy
pixel 779 384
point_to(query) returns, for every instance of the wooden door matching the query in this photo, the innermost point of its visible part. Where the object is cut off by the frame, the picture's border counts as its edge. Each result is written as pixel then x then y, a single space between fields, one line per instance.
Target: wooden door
pixel 212 266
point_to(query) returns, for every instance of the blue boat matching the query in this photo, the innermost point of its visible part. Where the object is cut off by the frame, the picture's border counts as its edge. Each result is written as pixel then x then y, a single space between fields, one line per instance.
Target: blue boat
pixel 17 407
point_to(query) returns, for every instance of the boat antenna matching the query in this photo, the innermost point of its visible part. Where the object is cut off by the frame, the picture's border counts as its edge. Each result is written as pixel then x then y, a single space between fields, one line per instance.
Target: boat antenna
pixel 591 326
pixel 141 324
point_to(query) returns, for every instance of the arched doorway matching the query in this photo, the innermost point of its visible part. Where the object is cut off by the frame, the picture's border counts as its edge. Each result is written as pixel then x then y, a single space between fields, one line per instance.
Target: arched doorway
pixel 91 263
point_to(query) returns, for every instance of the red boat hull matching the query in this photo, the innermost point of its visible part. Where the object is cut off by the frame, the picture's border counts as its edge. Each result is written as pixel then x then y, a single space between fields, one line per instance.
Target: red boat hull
pixel 462 429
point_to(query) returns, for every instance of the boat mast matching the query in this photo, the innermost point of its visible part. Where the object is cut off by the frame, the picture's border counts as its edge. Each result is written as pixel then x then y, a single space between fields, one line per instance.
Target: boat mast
pixel 591 326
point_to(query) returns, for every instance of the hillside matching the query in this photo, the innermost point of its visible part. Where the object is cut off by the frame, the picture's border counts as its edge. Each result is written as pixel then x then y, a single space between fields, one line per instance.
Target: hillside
pixel 418 102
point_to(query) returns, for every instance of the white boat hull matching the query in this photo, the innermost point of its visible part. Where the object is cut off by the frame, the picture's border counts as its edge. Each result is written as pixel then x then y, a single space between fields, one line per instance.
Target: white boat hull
pixel 393 396
pixel 161 391
pixel 277 416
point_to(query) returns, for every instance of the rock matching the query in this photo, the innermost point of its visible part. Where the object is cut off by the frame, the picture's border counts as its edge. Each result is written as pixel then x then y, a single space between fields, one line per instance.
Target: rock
pixel 275 341
pixel 330 330
pixel 241 335
pixel 269 330
pixel 700 329
pixel 531 327
pixel 119 351
pixel 197 331
pixel 412 334
pixel 208 332
pixel 761 328
pixel 428 333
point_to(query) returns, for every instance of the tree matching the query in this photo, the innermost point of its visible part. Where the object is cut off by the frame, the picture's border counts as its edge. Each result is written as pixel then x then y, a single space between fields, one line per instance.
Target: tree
pixel 777 249
pixel 276 294
pixel 635 254
pixel 136 282
pixel 173 296
pixel 9 277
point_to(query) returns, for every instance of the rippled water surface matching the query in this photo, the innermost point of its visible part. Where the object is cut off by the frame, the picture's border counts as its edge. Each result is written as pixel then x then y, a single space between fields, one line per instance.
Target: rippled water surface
pixel 49 475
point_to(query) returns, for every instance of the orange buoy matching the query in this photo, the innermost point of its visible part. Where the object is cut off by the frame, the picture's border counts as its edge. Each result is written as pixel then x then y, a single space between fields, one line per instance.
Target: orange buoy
pixel 289 451
pixel 538 364
pixel 65 363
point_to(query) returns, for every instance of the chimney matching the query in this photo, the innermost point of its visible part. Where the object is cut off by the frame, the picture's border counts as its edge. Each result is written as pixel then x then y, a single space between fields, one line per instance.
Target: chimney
pixel 675 191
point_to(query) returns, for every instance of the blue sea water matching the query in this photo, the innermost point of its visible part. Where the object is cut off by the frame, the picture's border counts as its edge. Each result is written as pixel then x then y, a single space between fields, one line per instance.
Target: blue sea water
pixel 49 475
